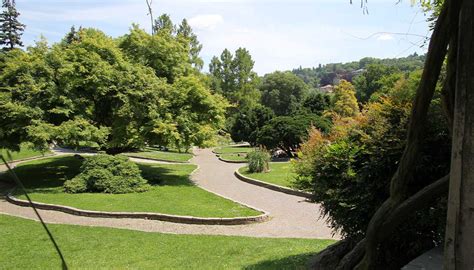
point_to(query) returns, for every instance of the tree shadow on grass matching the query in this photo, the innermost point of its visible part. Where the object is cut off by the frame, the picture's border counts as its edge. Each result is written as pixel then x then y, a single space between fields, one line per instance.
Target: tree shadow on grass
pixel 299 261
pixel 49 175
pixel 164 176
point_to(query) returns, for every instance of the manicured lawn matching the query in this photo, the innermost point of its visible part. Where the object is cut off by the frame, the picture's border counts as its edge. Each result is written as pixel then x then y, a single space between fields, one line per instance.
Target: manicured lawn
pixel 170 155
pixel 234 156
pixel 280 174
pixel 26 246
pixel 233 149
pixel 172 192
pixel 25 152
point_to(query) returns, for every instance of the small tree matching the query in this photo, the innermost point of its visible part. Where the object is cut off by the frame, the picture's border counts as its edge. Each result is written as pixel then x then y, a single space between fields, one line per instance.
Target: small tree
pixel 345 101
pixel 10 28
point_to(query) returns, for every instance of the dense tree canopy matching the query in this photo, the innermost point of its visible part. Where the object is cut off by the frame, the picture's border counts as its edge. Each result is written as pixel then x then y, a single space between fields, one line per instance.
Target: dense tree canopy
pixel 282 92
pixel 90 92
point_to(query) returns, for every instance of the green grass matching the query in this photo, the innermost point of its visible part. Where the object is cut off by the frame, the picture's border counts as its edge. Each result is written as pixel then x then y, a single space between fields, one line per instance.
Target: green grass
pixel 234 156
pixel 280 174
pixel 233 149
pixel 26 246
pixel 172 192
pixel 25 152
pixel 171 155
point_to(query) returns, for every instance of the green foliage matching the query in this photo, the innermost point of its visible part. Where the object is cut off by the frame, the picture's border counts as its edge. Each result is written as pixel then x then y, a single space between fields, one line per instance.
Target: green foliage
pixel 258 161
pixel 107 174
pixel 334 72
pixel 90 90
pixel 371 80
pixel 349 170
pixel 345 102
pixel 163 52
pixel 234 78
pixel 248 122
pixel 11 29
pixel 287 132
pixel 282 92
pixel 316 102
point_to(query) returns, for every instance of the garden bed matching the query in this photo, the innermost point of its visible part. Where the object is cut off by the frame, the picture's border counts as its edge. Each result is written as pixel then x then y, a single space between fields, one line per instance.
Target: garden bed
pixel 172 192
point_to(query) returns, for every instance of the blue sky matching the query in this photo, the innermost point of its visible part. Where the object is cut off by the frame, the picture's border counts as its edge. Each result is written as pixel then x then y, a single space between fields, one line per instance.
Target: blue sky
pixel 280 34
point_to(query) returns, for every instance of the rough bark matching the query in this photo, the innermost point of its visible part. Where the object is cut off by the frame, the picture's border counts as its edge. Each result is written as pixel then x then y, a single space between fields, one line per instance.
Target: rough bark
pixel 449 85
pixel 404 174
pixel 329 258
pixel 459 244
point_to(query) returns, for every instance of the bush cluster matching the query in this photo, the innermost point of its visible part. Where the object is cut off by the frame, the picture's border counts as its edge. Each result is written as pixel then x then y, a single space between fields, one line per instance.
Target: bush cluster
pixel 107 174
pixel 258 161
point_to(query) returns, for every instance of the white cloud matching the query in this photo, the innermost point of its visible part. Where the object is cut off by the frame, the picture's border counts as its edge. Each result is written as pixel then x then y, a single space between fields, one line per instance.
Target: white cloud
pixel 206 22
pixel 384 37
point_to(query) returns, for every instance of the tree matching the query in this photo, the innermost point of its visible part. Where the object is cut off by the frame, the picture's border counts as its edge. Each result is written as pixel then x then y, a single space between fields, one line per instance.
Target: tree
pixel 185 33
pixel 316 102
pixel 452 34
pixel 164 25
pixel 370 82
pixel 196 114
pixel 248 123
pixel 10 28
pixel 168 57
pixel 287 132
pixel 282 92
pixel 345 102
pixel 233 76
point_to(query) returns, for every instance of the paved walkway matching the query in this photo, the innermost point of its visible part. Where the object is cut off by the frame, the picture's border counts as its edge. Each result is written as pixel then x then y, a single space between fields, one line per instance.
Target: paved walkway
pixel 291 216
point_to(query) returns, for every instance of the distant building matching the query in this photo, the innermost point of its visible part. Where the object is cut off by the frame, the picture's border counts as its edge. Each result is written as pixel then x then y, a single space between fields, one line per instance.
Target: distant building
pixel 327 89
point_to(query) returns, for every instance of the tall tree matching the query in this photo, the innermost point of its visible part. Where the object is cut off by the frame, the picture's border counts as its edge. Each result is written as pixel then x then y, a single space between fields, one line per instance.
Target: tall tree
pixel 345 102
pixel 186 35
pixel 10 28
pixel 282 92
pixel 164 24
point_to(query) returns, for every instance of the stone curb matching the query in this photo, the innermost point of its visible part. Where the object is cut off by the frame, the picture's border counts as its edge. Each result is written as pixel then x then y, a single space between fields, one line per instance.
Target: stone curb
pixel 272 186
pixel 265 214
pixel 140 215
pixel 231 161
pixel 157 159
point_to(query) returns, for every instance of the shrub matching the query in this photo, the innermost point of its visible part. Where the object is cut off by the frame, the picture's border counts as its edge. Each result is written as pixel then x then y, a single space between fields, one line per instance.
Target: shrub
pixel 107 174
pixel 258 161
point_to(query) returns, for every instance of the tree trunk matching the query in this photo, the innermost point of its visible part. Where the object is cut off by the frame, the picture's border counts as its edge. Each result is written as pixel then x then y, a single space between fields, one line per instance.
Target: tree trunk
pixel 459 244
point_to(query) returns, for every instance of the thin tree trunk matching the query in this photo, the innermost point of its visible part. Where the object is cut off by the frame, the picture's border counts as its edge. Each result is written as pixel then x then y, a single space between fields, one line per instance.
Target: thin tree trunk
pixel 459 247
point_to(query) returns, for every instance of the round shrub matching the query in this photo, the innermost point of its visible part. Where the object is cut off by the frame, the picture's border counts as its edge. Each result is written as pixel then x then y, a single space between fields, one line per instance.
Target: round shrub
pixel 107 174
pixel 258 161
pixel 75 186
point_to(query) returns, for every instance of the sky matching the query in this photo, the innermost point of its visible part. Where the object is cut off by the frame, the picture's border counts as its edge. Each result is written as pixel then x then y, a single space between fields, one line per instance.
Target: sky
pixel 280 34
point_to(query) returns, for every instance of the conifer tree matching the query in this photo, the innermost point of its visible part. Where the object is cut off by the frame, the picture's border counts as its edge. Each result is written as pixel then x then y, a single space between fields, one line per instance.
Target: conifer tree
pixel 10 28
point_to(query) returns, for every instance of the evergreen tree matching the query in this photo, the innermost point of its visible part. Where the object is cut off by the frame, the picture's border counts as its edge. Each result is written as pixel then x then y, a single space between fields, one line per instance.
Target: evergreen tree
pixel 164 24
pixel 10 28
pixel 185 32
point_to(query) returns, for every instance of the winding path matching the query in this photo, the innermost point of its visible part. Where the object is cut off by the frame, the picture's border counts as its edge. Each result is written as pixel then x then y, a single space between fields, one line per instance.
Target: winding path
pixel 291 216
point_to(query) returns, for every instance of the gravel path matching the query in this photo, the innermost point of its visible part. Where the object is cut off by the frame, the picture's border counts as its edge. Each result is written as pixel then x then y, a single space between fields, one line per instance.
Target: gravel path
pixel 291 216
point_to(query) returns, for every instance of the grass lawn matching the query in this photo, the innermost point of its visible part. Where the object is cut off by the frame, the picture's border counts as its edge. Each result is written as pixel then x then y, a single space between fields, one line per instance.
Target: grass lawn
pixel 170 155
pixel 234 156
pixel 172 192
pixel 280 174
pixel 233 149
pixel 107 248
pixel 25 152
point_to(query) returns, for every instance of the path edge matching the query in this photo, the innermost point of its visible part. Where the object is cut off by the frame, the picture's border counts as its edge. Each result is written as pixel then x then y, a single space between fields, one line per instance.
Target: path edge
pixel 272 186
pixel 139 215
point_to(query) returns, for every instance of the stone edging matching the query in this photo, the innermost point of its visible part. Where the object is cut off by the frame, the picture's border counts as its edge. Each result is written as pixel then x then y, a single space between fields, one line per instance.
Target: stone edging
pixel 140 215
pixel 157 159
pixel 231 161
pixel 272 186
